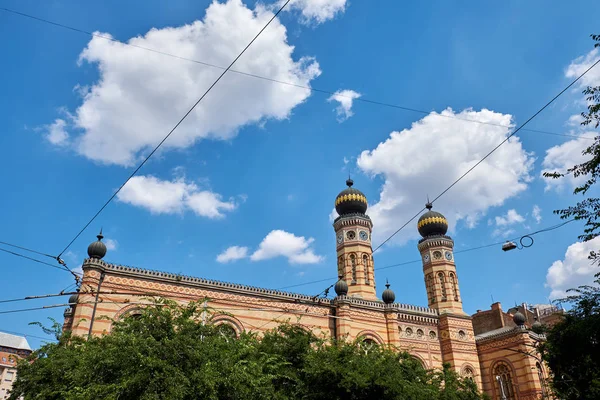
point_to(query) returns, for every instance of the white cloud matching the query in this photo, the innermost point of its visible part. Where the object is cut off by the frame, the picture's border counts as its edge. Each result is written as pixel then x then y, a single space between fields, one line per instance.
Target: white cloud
pixel 574 270
pixel 512 217
pixel 279 243
pixel 537 213
pixel 426 158
pixel 233 253
pixel 580 65
pixel 173 197
pixel 575 120
pixel 111 244
pixel 503 222
pixel 140 95
pixel 317 11
pixel 333 215
pixel 564 156
pixel 56 132
pixel 503 232
pixel 344 109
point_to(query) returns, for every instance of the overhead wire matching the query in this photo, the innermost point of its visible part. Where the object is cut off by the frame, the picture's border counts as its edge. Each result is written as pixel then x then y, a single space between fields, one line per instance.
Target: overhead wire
pixel 491 152
pixel 547 229
pixel 29 250
pixel 34 259
pixel 174 128
pixel 289 301
pixel 26 335
pixel 305 87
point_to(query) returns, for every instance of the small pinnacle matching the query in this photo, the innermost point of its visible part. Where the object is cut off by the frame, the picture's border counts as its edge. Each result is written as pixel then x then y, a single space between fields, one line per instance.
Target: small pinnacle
pixel 99 236
pixel 428 206
pixel 349 182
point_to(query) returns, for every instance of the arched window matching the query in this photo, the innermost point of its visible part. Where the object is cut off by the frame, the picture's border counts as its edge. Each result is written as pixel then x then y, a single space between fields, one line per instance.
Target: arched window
pixel 227 331
pixel 454 286
pixel 366 267
pixel 430 288
pixel 442 285
pixel 341 266
pixel 468 373
pixel 367 344
pixel 503 382
pixel 353 264
pixel 418 361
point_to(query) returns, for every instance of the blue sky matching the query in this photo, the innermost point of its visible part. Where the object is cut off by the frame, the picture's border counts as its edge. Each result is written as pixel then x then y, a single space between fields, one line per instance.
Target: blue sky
pixel 261 162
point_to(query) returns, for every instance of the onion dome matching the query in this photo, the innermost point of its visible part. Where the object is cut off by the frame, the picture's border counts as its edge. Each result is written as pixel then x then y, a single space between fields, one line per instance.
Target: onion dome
pixel 341 287
pixel 350 200
pixel 537 327
pixel 73 299
pixel 388 296
pixel 97 249
pixel 519 318
pixel 432 223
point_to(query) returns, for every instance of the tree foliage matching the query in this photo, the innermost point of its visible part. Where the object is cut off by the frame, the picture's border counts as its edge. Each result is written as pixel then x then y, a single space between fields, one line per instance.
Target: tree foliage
pixel 572 349
pixel 166 352
pixel 587 210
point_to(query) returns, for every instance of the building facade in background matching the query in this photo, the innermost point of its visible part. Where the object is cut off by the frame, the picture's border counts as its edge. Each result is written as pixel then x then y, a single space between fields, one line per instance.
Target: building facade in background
pixel 494 348
pixel 12 348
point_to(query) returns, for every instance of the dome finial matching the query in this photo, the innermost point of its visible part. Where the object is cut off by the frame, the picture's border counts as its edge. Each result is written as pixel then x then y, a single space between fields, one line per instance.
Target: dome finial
pixel 519 319
pixel 341 287
pixel 97 249
pixel 349 181
pixel 388 296
pixel 428 205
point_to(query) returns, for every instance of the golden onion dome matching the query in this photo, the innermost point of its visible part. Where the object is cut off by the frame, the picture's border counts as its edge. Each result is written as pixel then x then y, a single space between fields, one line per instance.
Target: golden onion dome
pixel 350 200
pixel 432 223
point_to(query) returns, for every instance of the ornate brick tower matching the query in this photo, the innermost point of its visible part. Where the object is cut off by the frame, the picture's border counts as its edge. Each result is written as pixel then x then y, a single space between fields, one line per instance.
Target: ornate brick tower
pixel 353 236
pixel 436 248
pixel 457 340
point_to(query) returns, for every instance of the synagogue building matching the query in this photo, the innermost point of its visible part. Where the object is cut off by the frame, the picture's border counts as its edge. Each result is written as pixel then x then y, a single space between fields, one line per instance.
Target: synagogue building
pixel 496 349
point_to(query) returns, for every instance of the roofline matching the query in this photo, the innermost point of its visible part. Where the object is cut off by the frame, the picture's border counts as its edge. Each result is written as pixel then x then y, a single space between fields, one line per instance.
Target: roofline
pixel 509 332
pixel 252 290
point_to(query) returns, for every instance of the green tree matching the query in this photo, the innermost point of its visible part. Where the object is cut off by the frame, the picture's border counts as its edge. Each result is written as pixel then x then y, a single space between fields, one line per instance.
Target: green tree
pixel 572 349
pixel 588 209
pixel 167 353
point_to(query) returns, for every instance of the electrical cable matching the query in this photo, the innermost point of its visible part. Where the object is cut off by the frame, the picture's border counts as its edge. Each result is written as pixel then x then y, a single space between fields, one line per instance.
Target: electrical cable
pixel 174 128
pixel 550 228
pixel 493 150
pixel 26 335
pixel 29 250
pixel 290 301
pixel 33 259
pixel 312 89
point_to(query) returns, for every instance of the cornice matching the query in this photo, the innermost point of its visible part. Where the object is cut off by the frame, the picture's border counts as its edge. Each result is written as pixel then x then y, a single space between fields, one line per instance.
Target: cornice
pixel 201 282
pixel 352 219
pixel 435 241
pixel 375 305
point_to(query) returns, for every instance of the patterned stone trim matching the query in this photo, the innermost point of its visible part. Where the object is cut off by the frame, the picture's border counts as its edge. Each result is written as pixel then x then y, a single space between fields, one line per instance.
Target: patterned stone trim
pixel 212 284
pixel 419 319
pixel 406 308
pixel 351 197
pixel 506 332
pixel 352 219
pixel 431 220
pixel 435 241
